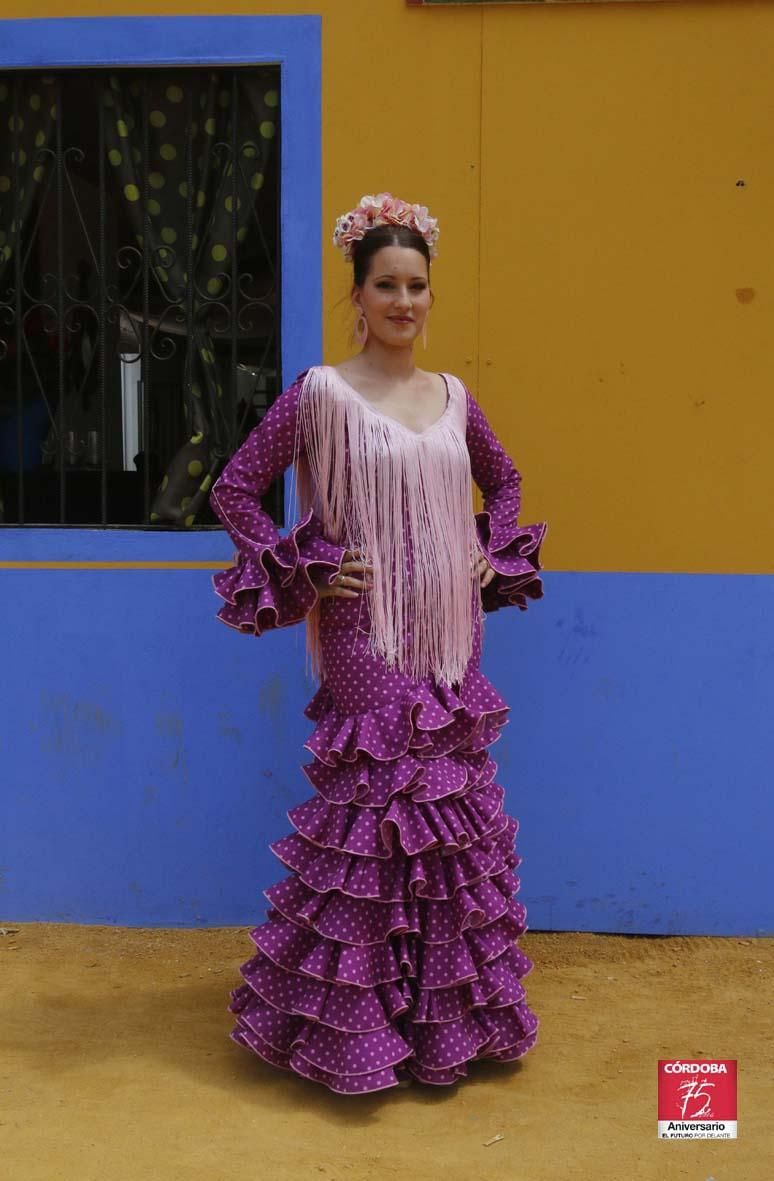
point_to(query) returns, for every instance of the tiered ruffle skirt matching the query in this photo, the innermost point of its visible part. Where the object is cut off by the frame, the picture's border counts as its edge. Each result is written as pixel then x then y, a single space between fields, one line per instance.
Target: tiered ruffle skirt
pixel 391 946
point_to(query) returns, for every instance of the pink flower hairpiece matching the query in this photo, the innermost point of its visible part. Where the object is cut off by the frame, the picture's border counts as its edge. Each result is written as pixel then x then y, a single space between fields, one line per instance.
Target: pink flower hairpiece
pixel 384 210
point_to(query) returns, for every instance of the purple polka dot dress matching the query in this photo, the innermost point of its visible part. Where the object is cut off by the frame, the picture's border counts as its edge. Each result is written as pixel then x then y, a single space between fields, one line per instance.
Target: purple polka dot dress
pixel 391 944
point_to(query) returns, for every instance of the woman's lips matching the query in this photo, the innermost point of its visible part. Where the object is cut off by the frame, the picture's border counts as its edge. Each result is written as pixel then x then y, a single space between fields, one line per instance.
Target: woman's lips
pixel 401 319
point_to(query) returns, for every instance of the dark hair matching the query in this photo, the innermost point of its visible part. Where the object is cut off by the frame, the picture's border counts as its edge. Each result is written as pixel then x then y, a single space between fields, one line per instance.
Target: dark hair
pixel 366 247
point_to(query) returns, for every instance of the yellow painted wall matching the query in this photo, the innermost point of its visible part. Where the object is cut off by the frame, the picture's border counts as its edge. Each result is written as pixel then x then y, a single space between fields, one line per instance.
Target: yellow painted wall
pixel 601 282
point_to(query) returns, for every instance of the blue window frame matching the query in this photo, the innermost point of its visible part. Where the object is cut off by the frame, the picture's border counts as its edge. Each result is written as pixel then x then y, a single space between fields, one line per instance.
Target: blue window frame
pixel 292 42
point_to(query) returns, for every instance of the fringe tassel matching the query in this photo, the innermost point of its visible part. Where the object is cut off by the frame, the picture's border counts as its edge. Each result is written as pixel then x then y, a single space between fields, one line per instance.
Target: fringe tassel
pixel 374 484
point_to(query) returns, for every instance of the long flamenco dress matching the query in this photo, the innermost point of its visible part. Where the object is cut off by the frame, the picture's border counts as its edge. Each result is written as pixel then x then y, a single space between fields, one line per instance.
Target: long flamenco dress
pixel 391 947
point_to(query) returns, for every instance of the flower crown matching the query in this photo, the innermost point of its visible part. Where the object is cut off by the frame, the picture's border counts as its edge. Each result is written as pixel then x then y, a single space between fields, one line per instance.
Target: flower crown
pixel 384 210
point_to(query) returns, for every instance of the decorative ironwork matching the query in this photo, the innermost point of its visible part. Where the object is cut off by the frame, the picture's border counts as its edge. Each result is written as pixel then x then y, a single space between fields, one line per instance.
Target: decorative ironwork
pixel 139 290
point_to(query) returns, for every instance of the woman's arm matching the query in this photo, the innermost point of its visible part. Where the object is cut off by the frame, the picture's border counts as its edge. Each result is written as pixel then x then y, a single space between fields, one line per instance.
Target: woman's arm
pixel 273 583
pixel 512 550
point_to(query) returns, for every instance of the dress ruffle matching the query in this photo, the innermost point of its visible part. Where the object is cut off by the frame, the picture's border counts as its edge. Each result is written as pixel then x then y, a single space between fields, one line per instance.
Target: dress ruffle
pixel 431 720
pixel 273 586
pixel 453 824
pixel 430 874
pixel 390 950
pixel 368 782
pixel 514 552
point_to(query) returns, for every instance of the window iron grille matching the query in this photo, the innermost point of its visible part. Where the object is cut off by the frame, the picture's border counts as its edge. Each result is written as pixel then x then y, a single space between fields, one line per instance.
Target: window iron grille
pixel 139 290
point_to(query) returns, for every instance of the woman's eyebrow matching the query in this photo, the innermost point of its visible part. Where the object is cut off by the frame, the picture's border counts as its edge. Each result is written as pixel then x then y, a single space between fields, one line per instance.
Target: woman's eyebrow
pixel 413 277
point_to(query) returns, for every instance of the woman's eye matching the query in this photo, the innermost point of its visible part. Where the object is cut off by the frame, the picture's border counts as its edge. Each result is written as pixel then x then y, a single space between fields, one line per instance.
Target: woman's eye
pixel 414 286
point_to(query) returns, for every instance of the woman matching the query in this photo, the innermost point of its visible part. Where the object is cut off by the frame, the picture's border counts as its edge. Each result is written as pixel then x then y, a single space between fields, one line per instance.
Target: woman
pixel 390 951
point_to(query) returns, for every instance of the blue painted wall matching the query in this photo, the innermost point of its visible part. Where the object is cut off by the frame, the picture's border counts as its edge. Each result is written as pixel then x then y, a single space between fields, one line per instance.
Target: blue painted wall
pixel 150 754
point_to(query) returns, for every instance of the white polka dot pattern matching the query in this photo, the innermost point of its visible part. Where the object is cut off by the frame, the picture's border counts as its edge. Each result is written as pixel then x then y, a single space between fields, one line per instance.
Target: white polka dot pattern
pixel 390 949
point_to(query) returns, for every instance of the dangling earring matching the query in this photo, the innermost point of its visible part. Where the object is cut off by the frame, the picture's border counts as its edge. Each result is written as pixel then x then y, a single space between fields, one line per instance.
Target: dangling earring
pixel 361 329
pixel 424 332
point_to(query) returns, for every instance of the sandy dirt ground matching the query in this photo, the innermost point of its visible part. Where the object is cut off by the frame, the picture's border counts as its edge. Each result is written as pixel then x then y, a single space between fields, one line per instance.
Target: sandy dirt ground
pixel 115 1065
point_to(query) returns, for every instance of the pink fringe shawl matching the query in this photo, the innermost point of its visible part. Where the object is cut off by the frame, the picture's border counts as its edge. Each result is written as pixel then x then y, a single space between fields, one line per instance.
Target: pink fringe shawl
pixel 370 480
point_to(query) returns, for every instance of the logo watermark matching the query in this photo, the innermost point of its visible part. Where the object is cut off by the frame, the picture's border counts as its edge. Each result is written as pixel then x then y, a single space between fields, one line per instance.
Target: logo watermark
pixel 697 1099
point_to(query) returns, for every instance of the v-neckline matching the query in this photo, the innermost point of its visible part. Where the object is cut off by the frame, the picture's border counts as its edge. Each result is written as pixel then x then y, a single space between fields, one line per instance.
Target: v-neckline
pixel 380 414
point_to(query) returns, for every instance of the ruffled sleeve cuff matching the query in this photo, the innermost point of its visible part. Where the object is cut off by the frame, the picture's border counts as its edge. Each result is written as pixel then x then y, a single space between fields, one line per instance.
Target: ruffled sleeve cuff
pixel 274 587
pixel 514 552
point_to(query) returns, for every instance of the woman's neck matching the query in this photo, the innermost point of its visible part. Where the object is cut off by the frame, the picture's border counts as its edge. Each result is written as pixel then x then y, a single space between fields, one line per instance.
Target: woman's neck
pixel 396 363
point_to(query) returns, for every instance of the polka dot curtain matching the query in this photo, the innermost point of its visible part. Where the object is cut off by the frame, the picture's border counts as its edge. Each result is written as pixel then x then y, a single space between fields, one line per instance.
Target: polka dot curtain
pixel 189 151
pixel 27 118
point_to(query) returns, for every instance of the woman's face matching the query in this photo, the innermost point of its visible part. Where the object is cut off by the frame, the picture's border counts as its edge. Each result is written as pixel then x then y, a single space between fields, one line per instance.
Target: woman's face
pixel 395 297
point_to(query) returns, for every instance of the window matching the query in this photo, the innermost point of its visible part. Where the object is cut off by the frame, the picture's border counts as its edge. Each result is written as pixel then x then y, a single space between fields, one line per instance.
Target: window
pixel 139 289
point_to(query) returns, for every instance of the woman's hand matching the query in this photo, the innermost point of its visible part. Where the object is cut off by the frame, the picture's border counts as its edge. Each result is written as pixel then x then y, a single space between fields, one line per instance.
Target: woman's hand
pixel 485 571
pixel 355 576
